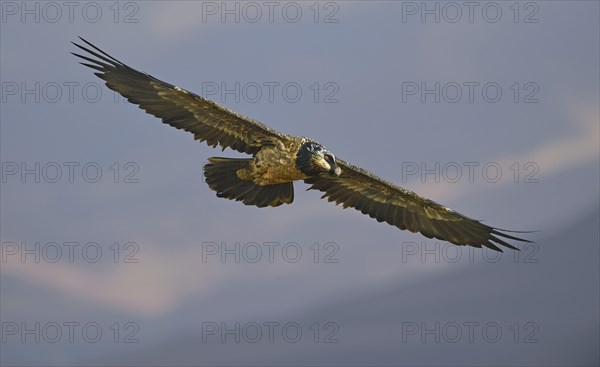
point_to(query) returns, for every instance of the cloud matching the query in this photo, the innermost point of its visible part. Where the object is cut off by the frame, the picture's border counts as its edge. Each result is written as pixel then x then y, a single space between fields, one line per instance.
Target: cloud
pixel 154 285
pixel 552 157
pixel 174 19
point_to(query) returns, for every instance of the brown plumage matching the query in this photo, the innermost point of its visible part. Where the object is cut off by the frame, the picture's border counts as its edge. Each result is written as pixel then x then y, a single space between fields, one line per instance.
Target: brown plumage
pixel 278 160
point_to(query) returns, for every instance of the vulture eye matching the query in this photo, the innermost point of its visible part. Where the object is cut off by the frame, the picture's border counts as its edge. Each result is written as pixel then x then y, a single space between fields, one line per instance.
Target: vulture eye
pixel 327 157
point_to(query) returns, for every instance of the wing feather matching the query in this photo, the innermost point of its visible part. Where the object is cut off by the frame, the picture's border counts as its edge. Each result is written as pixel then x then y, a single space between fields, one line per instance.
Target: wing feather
pixel 207 120
pixel 386 202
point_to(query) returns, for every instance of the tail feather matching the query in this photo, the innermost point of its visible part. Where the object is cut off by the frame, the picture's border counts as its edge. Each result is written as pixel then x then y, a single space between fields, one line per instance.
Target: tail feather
pixel 221 176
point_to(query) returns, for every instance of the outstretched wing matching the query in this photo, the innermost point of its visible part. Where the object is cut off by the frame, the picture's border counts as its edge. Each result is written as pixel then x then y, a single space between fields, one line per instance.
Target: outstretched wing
pixel 179 108
pixel 404 209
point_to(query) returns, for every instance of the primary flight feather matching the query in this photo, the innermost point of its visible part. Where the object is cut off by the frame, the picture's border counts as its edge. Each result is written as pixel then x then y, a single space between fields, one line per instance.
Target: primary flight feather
pixel 278 160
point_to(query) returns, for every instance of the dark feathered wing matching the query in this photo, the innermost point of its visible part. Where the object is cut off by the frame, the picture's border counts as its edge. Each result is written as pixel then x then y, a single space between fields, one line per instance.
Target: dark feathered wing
pixel 179 108
pixel 404 209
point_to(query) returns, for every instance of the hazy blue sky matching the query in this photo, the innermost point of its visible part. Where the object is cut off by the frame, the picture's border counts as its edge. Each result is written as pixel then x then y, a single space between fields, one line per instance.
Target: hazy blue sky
pixel 491 108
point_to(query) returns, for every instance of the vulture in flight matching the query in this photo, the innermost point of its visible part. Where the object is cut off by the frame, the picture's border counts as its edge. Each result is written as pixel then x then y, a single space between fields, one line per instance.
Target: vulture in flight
pixel 278 160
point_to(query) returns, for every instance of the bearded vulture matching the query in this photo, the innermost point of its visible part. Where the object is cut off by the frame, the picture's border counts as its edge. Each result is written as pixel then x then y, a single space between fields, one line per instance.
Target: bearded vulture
pixel 278 160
